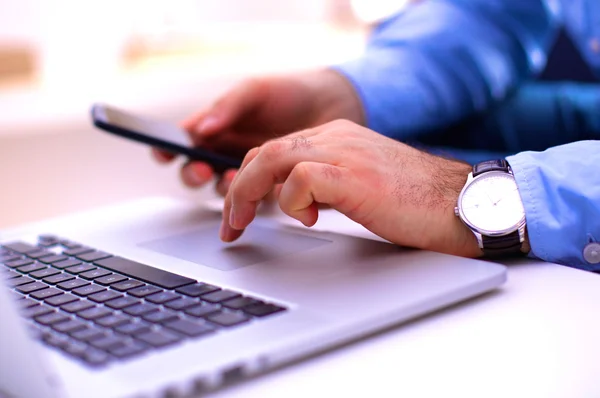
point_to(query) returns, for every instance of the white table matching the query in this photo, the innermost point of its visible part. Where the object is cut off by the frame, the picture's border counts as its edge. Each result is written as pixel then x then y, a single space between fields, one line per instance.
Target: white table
pixel 538 336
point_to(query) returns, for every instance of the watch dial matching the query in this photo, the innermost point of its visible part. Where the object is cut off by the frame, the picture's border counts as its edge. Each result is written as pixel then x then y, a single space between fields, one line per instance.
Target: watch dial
pixel 492 202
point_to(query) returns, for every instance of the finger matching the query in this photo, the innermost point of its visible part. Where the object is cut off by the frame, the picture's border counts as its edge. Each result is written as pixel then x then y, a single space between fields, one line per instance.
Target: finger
pixel 192 121
pixel 225 181
pixel 227 110
pixel 162 156
pixel 309 184
pixel 272 165
pixel 196 174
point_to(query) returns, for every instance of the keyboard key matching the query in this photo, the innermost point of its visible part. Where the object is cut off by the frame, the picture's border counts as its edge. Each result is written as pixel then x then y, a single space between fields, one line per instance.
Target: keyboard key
pixel 159 338
pixel 97 273
pixel 162 297
pixel 240 302
pixel 197 289
pixel 141 309
pixel 77 306
pixel 228 318
pixel 31 268
pixel 61 299
pixel 134 328
pixel 53 280
pixel 71 245
pixel 87 290
pixel 182 303
pixel 8 258
pixel 9 274
pixel 44 273
pixel 145 273
pixel 89 334
pixel 203 310
pixel 30 287
pixel 56 340
pixel 160 316
pixel 77 251
pixel 40 254
pixel 73 284
pixel 46 293
pixel 122 302
pixel 144 291
pixel 108 342
pixel 128 350
pixel 101 297
pixel 110 279
pixel 221 295
pixel 75 349
pixel 190 328
pixel 51 318
pixel 20 247
pixel 95 358
pixel 94 313
pixel 66 263
pixel 27 303
pixel 114 320
pixel 127 285
pixel 70 326
pixel 93 256
pixel 262 309
pixel 37 311
pixel 21 280
pixel 48 243
pixel 78 269
pixel 48 237
pixel 53 259
pixel 18 263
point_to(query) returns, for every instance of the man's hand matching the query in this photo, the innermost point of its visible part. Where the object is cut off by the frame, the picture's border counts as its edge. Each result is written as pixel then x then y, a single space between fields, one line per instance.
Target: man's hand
pixel 397 192
pixel 259 110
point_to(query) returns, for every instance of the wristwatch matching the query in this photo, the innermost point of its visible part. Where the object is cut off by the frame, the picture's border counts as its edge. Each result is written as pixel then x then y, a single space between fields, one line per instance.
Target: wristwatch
pixel 490 205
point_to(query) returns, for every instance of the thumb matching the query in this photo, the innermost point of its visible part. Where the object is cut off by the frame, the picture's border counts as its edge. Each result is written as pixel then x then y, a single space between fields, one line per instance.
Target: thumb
pixel 230 108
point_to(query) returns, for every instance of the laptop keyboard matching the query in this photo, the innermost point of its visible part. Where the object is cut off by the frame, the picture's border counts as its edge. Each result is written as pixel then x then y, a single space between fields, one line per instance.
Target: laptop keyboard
pixel 101 308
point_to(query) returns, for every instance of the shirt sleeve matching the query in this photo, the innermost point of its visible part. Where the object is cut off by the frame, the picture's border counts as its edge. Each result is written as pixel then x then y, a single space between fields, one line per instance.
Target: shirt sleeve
pixel 560 190
pixel 441 60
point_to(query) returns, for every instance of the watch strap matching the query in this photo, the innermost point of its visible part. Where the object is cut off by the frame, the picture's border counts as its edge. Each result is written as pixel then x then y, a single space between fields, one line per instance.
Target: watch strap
pixel 490 165
pixel 506 245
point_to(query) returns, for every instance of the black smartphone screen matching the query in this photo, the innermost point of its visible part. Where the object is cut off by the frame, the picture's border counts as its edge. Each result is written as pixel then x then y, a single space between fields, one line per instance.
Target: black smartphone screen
pixel 160 134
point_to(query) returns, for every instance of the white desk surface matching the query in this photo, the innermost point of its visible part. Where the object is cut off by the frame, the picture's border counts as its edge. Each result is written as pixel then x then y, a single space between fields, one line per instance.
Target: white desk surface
pixel 537 336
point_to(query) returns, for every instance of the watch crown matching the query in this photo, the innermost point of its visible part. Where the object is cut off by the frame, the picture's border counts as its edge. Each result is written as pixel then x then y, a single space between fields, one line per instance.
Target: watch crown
pixel 456 213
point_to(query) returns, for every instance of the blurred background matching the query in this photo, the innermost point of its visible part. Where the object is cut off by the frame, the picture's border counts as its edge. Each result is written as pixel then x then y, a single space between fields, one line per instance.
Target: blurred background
pixel 158 57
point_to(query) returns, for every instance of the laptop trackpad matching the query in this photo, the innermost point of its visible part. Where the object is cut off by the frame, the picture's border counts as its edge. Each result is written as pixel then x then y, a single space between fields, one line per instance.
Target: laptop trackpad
pixel 258 244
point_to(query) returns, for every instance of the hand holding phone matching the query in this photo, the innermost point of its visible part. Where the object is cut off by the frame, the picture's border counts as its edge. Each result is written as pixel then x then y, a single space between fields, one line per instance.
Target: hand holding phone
pixel 160 134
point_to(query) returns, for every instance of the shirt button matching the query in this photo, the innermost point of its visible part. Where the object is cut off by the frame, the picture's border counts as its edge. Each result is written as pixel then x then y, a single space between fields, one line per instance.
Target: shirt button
pixel 591 253
pixel 595 45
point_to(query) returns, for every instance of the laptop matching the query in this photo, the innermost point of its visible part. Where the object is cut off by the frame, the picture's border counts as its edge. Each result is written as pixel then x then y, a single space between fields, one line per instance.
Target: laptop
pixel 142 299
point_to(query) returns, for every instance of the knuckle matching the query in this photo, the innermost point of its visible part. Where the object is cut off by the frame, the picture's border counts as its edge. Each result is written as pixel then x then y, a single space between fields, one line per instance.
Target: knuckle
pixel 331 172
pixel 272 150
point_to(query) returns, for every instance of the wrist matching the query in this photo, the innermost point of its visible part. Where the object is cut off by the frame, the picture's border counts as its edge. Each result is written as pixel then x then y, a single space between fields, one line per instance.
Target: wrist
pixel 334 97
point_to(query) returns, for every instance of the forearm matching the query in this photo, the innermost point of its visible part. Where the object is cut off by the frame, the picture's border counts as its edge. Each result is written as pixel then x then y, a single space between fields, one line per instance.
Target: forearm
pixel 443 60
pixel 560 189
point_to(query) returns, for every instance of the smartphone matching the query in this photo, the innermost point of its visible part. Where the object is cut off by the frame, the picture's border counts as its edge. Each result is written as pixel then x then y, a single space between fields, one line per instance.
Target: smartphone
pixel 159 134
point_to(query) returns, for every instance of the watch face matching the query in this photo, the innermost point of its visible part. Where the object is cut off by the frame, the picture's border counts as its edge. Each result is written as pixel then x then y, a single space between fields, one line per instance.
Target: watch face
pixel 492 203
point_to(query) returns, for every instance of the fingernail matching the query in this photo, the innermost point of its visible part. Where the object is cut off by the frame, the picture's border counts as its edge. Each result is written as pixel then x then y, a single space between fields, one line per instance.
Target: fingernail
pixel 232 218
pixel 192 177
pixel 207 124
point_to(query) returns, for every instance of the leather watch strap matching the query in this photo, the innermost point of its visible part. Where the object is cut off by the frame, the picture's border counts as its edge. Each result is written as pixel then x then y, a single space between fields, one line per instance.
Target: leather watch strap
pixel 494 246
pixel 490 165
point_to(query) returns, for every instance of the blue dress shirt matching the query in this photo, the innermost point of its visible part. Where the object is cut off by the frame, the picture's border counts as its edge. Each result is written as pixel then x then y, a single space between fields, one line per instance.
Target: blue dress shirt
pixel 441 62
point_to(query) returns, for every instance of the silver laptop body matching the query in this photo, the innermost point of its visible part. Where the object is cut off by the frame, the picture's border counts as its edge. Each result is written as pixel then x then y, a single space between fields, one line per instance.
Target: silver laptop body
pixel 333 289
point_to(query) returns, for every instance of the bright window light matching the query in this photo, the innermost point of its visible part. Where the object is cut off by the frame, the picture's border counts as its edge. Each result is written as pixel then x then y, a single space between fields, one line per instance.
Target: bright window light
pixel 371 11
